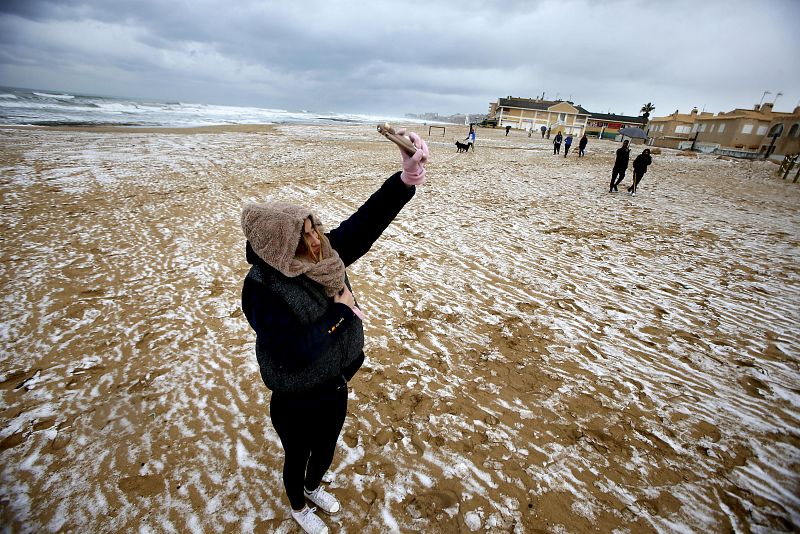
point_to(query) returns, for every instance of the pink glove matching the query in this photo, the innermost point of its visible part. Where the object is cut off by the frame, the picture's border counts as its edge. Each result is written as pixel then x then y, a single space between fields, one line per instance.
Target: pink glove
pixel 413 167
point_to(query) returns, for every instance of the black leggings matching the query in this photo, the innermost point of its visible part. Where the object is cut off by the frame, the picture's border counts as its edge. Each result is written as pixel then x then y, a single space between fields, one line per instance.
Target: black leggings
pixel 637 177
pixel 616 171
pixel 309 425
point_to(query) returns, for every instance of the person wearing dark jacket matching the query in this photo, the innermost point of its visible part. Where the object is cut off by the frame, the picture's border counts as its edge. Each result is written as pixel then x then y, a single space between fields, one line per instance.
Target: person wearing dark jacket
pixel 640 165
pixel 620 166
pixel 582 146
pixel 309 335
pixel 471 138
pixel 557 143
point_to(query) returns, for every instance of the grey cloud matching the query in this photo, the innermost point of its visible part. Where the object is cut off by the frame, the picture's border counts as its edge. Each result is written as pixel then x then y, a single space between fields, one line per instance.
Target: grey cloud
pixel 457 57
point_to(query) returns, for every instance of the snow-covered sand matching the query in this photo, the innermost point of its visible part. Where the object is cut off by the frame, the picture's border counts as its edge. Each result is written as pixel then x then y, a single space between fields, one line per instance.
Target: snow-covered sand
pixel 542 356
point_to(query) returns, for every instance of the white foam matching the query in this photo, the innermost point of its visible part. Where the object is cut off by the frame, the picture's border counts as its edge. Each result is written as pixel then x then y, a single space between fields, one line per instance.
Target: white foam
pixel 56 96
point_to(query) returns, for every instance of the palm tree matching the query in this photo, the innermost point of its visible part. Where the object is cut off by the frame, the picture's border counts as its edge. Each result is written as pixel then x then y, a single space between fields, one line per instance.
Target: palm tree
pixel 646 109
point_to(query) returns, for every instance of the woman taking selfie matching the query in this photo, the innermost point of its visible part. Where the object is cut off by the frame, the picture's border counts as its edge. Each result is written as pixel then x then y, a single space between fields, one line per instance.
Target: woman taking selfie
pixel 309 335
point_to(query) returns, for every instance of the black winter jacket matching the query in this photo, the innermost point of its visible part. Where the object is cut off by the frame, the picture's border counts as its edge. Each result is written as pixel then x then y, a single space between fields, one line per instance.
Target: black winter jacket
pixel 623 156
pixel 641 162
pixel 304 338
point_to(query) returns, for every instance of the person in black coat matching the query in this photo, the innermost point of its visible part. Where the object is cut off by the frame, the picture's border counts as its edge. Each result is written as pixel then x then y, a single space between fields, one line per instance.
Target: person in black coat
pixel 582 146
pixel 557 143
pixel 309 335
pixel 620 166
pixel 640 165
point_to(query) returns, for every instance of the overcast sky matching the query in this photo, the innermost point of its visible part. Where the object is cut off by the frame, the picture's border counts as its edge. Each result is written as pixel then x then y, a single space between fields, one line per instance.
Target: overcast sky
pixel 376 56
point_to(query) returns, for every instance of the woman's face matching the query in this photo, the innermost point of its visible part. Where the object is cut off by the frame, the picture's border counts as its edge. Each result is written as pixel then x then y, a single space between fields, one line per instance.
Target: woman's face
pixel 311 237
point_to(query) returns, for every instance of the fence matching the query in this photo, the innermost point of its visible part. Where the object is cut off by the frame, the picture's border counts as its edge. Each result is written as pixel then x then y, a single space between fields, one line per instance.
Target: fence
pixel 787 165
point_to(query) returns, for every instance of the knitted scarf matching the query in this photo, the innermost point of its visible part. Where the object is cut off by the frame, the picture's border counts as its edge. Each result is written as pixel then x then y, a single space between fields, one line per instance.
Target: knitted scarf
pixel 274 230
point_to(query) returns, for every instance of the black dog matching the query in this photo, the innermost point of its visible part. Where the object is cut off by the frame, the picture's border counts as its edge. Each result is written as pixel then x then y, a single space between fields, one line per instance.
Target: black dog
pixel 462 147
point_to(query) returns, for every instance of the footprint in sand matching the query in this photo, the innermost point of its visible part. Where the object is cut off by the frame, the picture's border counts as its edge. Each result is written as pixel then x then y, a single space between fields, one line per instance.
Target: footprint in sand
pixel 430 503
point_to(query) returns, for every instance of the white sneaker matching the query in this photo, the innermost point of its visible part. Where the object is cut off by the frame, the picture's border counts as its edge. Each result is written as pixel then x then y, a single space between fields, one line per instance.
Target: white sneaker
pixel 309 522
pixel 327 502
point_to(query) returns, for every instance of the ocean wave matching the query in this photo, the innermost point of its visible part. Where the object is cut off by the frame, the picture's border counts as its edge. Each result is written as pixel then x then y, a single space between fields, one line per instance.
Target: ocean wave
pixel 27 105
pixel 340 119
pixel 48 95
pixel 46 108
pixel 87 123
pixel 119 107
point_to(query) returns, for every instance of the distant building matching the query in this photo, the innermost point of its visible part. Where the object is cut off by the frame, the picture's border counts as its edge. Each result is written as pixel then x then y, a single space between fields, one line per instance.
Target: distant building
pixel 608 125
pixel 533 113
pixel 788 139
pixel 561 115
pixel 752 133
pixel 669 131
pixel 743 132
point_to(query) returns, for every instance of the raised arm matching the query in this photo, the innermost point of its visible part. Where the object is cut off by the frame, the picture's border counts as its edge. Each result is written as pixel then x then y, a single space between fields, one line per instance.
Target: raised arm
pixel 354 237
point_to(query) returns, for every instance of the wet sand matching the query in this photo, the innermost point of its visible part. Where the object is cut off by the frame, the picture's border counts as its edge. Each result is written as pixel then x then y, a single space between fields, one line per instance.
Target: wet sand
pixel 542 356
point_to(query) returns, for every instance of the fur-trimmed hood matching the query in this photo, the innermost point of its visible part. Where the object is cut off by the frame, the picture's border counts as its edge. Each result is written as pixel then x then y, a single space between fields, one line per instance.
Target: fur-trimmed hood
pixel 274 230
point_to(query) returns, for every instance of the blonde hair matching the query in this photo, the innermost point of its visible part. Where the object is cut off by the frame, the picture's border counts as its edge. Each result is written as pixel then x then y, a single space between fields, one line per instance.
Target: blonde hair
pixel 304 247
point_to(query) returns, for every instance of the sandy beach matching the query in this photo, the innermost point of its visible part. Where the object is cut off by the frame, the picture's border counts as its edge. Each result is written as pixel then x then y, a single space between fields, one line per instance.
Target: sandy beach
pixel 542 356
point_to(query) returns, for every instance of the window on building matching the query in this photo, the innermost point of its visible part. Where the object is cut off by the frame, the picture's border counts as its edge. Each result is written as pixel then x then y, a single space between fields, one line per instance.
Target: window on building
pixel 683 129
pixel 703 127
pixel 777 129
pixel 695 127
pixel 794 131
pixel 721 128
pixel 562 117
pixel 711 130
pixel 747 128
pixel 762 129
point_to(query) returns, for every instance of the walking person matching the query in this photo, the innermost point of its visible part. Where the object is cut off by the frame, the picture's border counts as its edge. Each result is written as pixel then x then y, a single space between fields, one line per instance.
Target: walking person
pixel 543 129
pixel 548 132
pixel 582 146
pixel 508 129
pixel 567 144
pixel 309 335
pixel 640 165
pixel 471 139
pixel 620 166
pixel 557 143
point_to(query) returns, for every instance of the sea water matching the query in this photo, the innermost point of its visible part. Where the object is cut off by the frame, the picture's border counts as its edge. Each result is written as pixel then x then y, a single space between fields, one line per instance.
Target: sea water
pixel 55 108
